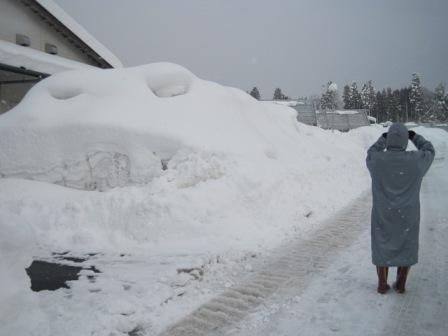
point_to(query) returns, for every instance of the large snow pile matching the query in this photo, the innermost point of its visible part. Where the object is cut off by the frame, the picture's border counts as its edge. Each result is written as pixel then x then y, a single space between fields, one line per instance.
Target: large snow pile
pixel 204 160
pixel 186 167
pixel 102 129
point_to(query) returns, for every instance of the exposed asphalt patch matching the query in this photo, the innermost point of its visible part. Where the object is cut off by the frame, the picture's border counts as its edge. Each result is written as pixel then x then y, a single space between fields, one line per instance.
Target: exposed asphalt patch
pixel 52 275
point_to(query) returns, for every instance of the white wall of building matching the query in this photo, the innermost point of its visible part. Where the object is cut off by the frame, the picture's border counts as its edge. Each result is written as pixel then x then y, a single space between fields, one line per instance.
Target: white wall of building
pixel 15 18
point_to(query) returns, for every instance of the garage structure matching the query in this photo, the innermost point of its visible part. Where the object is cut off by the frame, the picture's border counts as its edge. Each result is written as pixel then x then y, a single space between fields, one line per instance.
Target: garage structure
pixel 38 39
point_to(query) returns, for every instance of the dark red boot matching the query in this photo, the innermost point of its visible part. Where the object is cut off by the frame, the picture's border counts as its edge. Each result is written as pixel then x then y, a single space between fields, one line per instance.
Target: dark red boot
pixel 402 275
pixel 382 272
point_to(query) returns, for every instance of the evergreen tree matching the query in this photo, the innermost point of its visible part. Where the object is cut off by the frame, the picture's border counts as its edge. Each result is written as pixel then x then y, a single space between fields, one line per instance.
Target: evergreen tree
pixel 346 98
pixel 428 113
pixel 314 100
pixel 355 96
pixel 395 106
pixel 416 97
pixel 380 106
pixel 329 98
pixel 441 103
pixel 255 93
pixel 388 103
pixel 368 96
pixel 278 95
pixel 405 104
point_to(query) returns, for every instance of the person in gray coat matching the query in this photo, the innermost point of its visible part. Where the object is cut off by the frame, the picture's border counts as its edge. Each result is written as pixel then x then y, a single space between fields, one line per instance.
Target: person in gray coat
pixel 396 179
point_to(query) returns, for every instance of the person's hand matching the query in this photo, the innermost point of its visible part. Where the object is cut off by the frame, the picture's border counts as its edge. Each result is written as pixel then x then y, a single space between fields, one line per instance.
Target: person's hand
pixel 411 134
pixel 384 135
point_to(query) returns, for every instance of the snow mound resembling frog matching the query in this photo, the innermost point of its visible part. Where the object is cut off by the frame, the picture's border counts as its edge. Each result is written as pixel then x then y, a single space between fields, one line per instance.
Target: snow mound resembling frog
pixel 99 129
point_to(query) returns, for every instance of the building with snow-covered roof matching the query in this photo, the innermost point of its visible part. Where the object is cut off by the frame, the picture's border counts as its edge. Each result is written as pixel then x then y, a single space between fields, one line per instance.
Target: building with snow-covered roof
pixel 38 39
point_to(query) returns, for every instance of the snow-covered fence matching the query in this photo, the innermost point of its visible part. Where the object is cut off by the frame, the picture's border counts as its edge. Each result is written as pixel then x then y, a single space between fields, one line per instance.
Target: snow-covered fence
pixel 342 120
pixel 306 114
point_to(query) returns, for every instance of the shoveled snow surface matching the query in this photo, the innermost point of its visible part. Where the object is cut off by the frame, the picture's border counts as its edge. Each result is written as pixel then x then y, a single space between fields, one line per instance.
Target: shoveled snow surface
pixel 195 176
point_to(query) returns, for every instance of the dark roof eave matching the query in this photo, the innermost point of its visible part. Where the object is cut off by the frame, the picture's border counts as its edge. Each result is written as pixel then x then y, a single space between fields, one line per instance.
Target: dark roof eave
pixel 23 71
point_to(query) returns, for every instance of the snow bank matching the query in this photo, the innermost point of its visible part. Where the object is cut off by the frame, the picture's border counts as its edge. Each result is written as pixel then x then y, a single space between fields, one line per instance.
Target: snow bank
pixel 198 160
pixel 372 119
pixel 108 128
pixel 212 161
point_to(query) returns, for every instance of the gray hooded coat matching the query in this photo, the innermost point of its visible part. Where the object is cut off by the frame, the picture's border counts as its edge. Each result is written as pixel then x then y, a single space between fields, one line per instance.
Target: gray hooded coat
pixel 396 179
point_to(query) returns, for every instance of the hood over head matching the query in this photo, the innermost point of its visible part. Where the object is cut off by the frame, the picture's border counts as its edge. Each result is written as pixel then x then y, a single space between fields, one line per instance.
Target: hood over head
pixel 397 137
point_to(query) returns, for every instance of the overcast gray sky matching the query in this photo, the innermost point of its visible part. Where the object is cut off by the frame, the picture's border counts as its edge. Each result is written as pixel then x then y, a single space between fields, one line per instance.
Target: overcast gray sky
pixel 297 45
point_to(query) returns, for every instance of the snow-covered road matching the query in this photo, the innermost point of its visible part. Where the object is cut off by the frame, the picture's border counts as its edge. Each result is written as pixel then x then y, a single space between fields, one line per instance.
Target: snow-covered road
pixel 342 298
pixel 325 284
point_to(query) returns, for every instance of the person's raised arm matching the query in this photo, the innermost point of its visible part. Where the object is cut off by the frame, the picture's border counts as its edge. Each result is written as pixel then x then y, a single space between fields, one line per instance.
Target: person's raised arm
pixel 378 146
pixel 426 151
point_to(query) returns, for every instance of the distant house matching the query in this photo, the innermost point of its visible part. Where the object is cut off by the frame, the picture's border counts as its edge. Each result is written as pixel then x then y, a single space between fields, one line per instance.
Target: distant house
pixel 38 39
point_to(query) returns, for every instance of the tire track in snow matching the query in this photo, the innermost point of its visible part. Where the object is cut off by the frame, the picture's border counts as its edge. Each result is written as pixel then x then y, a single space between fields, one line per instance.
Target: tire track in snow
pixel 294 264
